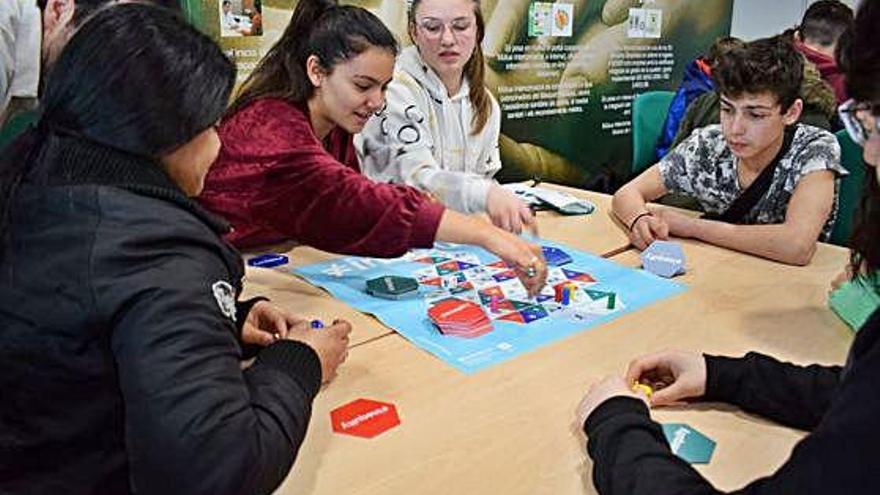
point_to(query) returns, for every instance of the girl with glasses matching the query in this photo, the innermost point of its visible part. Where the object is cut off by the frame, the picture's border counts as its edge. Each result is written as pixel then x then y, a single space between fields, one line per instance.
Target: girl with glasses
pixel 440 127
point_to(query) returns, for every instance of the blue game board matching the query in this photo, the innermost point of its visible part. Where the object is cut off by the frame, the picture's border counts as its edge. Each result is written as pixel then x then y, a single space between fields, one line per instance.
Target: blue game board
pixel 604 291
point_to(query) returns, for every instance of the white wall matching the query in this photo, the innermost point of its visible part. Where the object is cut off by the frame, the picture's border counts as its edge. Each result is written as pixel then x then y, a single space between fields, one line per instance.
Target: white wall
pixel 754 19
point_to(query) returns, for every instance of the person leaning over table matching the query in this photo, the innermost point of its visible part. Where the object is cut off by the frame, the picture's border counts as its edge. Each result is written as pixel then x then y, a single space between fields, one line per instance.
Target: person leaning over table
pixel 440 126
pixel 121 330
pixel 768 185
pixel 288 170
pixel 838 406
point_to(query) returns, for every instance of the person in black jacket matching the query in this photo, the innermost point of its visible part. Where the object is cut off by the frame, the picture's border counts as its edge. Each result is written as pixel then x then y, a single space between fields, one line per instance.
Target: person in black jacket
pixel 840 406
pixel 121 332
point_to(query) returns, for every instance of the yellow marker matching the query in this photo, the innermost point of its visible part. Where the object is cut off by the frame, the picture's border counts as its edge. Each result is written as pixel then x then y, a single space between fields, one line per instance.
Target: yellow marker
pixel 646 389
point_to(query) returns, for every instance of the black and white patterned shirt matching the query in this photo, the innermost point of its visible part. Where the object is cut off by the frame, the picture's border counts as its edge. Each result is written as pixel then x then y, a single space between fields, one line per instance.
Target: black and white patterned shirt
pixel 704 168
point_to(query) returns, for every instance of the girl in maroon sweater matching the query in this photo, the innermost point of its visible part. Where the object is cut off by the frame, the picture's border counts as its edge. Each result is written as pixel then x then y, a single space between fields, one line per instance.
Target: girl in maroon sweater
pixel 288 170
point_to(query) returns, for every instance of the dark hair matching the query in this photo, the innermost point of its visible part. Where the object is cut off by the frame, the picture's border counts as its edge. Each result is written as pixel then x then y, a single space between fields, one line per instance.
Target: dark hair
pixel 859 57
pixel 768 64
pixel 825 21
pixel 722 46
pixel 135 78
pixel 84 8
pixel 321 28
pixel 474 69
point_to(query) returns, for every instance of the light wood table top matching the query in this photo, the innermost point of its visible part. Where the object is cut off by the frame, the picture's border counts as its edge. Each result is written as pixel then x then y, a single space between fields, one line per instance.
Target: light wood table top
pixel 598 233
pixel 510 429
pixel 769 305
pixel 595 233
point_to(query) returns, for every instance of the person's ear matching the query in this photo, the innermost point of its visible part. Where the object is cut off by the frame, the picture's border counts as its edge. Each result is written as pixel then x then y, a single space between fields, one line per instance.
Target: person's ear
pixel 58 16
pixel 793 114
pixel 314 71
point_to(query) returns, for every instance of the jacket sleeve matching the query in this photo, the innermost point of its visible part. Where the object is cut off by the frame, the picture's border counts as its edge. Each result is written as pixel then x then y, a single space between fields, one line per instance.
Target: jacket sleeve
pixel 194 421
pixel 310 197
pixel 630 455
pixel 673 117
pixel 397 146
pixel 795 396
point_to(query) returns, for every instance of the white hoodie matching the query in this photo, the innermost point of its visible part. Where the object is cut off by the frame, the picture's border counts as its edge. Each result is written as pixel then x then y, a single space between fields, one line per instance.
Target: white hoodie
pixel 423 139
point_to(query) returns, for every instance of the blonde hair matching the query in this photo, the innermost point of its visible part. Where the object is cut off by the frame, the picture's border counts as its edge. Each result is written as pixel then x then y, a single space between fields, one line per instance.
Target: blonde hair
pixel 474 69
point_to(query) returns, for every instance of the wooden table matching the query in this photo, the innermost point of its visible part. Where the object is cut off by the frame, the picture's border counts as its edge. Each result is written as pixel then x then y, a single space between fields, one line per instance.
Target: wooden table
pixel 596 233
pixel 510 429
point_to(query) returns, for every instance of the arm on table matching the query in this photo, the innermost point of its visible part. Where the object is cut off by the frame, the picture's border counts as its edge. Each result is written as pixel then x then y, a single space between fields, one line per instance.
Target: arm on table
pixel 629 206
pixel 194 421
pixel 793 241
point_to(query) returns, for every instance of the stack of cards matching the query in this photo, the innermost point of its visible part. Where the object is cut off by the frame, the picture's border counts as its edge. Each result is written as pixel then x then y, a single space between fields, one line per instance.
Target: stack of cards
pixel 460 318
pixel 392 287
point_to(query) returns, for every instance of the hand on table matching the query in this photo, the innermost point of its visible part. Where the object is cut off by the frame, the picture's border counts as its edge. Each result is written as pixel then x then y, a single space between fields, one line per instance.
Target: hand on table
pixel 609 387
pixel 508 212
pixel 526 258
pixel 330 343
pixel 266 323
pixel 673 375
pixel 679 225
pixel 647 229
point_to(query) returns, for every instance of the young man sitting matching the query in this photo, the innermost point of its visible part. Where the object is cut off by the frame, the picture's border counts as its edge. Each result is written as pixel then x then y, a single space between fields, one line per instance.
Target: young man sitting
pixel 768 185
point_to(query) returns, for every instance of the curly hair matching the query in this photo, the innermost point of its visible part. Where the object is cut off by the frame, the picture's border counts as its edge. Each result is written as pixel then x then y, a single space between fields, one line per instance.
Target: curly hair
pixel 765 65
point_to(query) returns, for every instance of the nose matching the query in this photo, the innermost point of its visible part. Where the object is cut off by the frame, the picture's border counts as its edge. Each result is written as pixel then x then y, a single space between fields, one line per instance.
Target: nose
pixel 447 37
pixel 376 100
pixel 737 126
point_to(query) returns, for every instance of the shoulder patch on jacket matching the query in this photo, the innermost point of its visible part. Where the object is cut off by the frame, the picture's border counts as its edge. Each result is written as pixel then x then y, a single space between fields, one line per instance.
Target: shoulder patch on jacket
pixel 224 294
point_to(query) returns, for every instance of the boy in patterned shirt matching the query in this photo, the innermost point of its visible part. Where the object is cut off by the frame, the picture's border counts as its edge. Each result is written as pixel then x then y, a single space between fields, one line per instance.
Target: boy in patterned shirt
pixel 768 185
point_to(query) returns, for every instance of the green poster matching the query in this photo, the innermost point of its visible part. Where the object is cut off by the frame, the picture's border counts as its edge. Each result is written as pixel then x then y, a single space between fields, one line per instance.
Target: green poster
pixel 565 73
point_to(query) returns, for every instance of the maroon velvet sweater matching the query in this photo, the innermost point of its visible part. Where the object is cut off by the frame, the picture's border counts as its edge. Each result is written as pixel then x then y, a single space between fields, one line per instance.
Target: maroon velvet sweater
pixel 275 181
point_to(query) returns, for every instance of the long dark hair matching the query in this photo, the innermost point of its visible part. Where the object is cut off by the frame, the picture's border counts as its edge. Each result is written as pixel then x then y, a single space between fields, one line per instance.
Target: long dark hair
pixel 859 56
pixel 135 78
pixel 474 69
pixel 321 28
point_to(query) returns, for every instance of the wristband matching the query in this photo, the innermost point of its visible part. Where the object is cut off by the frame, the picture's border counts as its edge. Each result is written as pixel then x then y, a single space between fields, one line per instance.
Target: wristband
pixel 632 224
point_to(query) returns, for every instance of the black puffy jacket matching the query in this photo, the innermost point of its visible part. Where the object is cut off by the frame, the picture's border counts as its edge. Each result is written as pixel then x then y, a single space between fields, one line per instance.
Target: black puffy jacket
pixel 119 350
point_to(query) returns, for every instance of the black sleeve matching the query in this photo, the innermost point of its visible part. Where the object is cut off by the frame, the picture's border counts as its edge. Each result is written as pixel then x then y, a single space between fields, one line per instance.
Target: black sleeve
pixel 630 455
pixel 795 396
pixel 194 421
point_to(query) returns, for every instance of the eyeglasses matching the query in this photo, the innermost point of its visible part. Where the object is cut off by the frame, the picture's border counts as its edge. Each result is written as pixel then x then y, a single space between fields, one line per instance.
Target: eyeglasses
pixel 859 128
pixel 434 28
